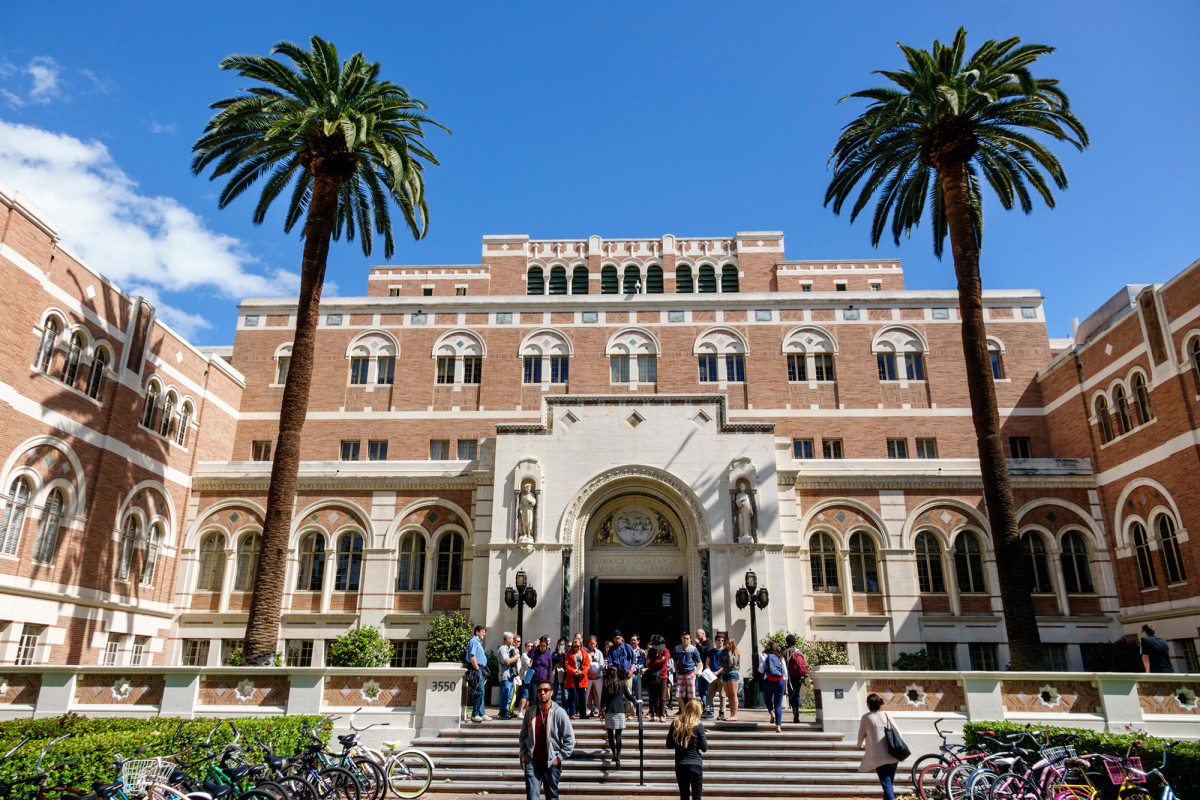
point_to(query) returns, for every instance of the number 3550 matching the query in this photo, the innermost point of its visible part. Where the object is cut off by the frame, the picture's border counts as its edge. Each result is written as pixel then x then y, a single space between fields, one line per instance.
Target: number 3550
pixel 444 686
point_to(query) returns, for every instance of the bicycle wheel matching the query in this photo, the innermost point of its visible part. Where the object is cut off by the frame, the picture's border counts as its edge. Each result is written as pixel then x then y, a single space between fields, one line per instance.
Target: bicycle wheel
pixel 923 762
pixel 931 782
pixel 1136 793
pixel 272 788
pixel 299 788
pixel 956 781
pixel 409 774
pixel 255 794
pixel 338 784
pixel 1014 787
pixel 371 778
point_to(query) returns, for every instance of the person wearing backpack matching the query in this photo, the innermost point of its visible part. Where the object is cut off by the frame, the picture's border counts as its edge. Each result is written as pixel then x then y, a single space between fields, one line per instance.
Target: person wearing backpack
pixel 797 669
pixel 475 661
pixel 774 674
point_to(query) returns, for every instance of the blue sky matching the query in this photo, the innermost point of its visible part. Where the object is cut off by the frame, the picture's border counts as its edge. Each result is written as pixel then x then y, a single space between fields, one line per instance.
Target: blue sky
pixel 621 119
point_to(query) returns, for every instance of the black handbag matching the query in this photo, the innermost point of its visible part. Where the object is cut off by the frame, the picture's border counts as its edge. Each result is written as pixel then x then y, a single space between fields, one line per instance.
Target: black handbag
pixel 896 747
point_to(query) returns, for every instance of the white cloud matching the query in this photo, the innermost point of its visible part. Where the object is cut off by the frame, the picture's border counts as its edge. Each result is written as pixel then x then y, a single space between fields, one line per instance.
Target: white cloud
pixel 44 71
pixel 156 127
pixel 136 240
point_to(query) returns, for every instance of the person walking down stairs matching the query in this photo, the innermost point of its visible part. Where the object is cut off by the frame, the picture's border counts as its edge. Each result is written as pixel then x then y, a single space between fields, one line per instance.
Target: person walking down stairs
pixel 615 695
pixel 547 740
pixel 686 736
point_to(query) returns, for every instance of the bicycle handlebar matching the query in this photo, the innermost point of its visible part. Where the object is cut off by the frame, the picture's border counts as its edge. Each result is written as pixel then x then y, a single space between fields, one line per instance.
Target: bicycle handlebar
pixel 372 725
pixel 46 749
pixel 16 747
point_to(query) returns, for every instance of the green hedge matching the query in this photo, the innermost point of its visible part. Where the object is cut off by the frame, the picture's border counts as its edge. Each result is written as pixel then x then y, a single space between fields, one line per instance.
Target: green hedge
pixel 96 739
pixel 1183 763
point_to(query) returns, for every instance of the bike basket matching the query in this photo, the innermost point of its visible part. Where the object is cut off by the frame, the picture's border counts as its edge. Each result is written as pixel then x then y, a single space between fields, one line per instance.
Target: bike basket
pixel 1053 754
pixel 138 774
pixel 1117 771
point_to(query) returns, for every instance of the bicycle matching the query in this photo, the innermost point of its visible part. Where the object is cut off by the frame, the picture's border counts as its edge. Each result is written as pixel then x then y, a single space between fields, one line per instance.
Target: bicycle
pixel 40 777
pixel 409 770
pixel 1127 774
pixel 929 771
pixel 365 766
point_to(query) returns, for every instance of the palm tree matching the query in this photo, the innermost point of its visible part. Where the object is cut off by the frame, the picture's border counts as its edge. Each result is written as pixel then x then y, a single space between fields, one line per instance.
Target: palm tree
pixel 348 142
pixel 947 120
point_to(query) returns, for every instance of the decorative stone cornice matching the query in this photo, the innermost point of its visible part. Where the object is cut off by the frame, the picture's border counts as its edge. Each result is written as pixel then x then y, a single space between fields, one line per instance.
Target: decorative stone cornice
pixel 954 473
pixel 633 401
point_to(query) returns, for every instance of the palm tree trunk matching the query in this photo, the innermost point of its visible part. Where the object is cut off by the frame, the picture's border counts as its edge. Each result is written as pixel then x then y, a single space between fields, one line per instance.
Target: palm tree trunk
pixel 262 628
pixel 1016 584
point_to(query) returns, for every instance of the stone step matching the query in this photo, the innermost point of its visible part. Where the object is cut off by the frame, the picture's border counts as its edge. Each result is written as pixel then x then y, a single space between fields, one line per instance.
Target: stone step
pixel 656 741
pixel 629 774
pixel 630 761
pixel 665 788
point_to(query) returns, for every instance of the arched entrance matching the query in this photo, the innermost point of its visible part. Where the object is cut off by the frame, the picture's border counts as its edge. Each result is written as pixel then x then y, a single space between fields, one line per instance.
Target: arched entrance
pixel 635 533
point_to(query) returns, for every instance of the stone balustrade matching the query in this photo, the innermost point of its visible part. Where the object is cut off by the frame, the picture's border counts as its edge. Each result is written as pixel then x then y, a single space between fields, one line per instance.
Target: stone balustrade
pixel 1160 705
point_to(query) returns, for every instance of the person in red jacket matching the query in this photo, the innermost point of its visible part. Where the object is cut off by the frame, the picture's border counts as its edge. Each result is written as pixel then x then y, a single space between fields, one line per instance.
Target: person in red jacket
pixel 575 687
pixel 658 686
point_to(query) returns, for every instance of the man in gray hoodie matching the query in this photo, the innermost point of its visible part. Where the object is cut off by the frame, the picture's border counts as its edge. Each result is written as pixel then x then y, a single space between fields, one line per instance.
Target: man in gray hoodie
pixel 547 740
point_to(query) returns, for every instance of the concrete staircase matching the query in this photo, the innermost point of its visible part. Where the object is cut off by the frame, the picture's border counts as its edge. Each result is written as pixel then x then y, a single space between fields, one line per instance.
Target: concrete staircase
pixel 744 759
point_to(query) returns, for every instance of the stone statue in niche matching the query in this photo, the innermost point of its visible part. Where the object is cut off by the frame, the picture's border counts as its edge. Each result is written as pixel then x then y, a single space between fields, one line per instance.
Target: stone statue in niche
pixel 526 512
pixel 745 512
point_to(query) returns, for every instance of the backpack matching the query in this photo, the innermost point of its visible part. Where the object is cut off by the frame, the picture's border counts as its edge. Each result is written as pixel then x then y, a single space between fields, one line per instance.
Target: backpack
pixel 797 666
pixel 774 666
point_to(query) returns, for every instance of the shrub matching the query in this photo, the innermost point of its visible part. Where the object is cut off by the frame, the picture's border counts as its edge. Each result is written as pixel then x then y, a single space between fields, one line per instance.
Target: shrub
pixel 1183 764
pixel 816 652
pixel 449 634
pixel 236 657
pixel 95 741
pixel 920 661
pixel 360 647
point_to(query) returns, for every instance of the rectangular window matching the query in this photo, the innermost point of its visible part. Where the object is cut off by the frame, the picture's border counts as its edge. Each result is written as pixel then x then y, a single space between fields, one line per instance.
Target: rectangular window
pixel 876 286
pixel 473 369
pixel 358 370
pixel 831 448
pixel 468 449
pixel 1055 656
pixel 252 320
pixel 377 450
pixel 823 367
pixel 138 654
pixel 941 313
pixel 333 320
pixel 802 448
pixel 460 291
pixel 984 657
pixel 393 291
pixel 533 369
pixel 110 650
pixel 946 653
pixel 647 369
pixel 840 286
pixel 281 371
pixel 708 369
pixel 997 365
pixel 260 450
pixel 797 368
pixel 350 450
pixel 1187 651
pixel 439 449
pixel 195 652
pixel 228 646
pixel 445 369
pixel 404 654
pixel 927 448
pixel 427 291
pixel 897 448
pixel 1019 447
pixel 873 655
pixel 806 287
pixel 886 362
pixel 618 369
pixel 386 374
pixel 914 366
pixel 299 652
pixel 559 368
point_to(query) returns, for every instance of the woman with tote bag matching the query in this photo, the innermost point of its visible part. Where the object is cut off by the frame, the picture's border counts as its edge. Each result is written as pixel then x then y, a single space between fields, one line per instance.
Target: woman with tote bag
pixel 874 730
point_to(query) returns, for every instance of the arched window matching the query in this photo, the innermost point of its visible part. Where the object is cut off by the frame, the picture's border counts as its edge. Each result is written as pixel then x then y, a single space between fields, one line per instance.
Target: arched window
pixel 1077 568
pixel 997 359
pixel 129 536
pixel 654 279
pixel 283 365
pixel 45 351
pixel 1034 548
pixel 150 560
pixel 411 574
pixel 1195 348
pixel 51 524
pixel 683 280
pixel 164 425
pixel 449 564
pixel 247 562
pixel 71 366
pixel 151 406
pixel 930 577
pixel 185 419
pixel 708 279
pixel 632 277
pixel 899 354
pixel 1141 550
pixel 535 283
pixel 1124 424
pixel 864 571
pixel 729 278
pixel 311 573
pixel 579 280
pixel 608 280
pixel 16 507
pixel 96 374
pixel 1103 420
pixel 212 563
pixel 822 558
pixel 1141 398
pixel 558 280
pixel 349 562
pixel 1168 544
pixel 968 564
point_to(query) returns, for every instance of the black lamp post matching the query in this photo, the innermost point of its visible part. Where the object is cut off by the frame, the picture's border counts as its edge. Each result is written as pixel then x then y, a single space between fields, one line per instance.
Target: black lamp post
pixel 523 595
pixel 753 595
